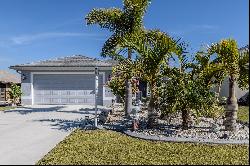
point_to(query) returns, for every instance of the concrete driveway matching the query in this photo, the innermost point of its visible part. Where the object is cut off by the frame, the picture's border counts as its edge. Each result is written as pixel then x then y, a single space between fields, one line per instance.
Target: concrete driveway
pixel 29 133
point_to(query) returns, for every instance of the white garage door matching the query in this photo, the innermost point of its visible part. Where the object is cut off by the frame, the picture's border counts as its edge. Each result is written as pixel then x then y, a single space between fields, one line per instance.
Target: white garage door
pixel 63 89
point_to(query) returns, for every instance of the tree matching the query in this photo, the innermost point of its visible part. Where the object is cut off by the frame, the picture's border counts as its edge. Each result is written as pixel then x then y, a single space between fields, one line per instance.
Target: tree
pixel 186 89
pixel 153 48
pixel 15 93
pixel 122 23
pixel 243 75
pixel 228 55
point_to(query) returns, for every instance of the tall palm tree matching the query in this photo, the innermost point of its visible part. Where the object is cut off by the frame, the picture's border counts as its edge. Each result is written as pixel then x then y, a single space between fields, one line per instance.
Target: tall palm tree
pixel 122 23
pixel 228 56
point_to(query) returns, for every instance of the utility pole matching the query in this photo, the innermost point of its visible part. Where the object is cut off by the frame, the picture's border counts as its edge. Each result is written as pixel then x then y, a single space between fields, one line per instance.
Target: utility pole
pixel 96 93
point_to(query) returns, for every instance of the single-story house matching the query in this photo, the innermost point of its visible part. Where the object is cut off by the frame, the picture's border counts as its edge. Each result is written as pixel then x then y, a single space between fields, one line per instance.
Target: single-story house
pixel 71 80
pixel 6 80
pixel 67 80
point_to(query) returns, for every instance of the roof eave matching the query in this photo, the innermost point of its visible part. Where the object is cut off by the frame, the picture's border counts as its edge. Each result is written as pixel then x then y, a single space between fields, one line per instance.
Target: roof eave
pixel 58 68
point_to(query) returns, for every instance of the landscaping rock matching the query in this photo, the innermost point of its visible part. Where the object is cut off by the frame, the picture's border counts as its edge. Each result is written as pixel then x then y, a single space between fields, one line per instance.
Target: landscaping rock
pixel 201 129
pixel 225 136
pixel 103 116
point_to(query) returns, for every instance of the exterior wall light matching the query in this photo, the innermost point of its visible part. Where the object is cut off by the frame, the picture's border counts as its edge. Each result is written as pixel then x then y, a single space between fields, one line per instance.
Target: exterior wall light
pixel 23 77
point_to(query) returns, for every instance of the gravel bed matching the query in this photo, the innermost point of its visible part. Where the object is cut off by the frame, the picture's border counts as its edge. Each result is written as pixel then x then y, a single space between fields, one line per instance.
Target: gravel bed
pixel 205 130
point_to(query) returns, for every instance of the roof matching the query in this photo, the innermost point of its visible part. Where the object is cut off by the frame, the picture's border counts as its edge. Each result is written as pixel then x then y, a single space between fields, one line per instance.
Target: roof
pixel 112 61
pixel 69 61
pixel 6 77
pixel 246 48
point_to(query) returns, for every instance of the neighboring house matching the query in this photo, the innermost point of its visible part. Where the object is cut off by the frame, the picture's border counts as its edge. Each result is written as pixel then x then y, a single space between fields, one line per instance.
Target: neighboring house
pixel 67 80
pixel 225 90
pixel 6 79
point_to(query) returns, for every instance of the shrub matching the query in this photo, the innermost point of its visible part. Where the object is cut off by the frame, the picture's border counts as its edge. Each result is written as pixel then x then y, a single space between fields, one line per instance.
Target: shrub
pixel 124 70
pixel 15 93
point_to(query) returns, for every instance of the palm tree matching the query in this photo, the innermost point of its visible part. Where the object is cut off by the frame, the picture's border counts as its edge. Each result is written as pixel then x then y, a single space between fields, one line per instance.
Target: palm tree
pixel 122 23
pixel 228 56
pixel 154 49
pixel 243 75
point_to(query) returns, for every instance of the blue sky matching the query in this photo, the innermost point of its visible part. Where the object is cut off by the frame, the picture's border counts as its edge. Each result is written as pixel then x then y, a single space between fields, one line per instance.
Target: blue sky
pixel 33 30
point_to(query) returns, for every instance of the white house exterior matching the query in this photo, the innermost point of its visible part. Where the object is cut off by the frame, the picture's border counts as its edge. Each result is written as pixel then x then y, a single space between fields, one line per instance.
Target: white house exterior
pixel 68 80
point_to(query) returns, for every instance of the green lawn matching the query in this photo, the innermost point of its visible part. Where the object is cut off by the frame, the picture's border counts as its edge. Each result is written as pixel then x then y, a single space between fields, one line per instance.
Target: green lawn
pixel 6 108
pixel 243 113
pixel 109 147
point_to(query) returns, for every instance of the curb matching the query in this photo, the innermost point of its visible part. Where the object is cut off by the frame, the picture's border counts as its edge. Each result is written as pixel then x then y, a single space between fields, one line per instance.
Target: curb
pixel 184 140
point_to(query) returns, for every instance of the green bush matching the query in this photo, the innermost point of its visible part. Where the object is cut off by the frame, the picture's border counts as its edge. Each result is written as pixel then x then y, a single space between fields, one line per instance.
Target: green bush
pixel 215 111
pixel 124 70
pixel 15 93
pixel 178 94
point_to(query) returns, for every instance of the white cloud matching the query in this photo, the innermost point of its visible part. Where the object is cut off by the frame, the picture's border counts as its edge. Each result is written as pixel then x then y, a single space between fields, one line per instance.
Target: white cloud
pixel 25 39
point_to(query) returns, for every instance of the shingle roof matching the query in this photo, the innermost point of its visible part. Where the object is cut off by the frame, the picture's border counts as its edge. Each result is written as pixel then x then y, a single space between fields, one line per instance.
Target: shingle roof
pixel 69 61
pixel 7 77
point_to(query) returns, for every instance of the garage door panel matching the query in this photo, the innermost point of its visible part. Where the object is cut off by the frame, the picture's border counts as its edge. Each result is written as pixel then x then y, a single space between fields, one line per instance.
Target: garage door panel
pixel 42 100
pixel 55 100
pixel 62 81
pixel 64 101
pixel 64 88
pixel 65 92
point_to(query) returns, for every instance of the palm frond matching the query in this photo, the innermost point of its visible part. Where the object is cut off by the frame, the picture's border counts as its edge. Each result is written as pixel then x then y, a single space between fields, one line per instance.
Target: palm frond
pixel 105 18
pixel 134 11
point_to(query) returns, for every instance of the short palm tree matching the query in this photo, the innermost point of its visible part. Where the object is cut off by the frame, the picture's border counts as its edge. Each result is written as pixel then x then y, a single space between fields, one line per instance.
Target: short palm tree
pixel 122 23
pixel 229 57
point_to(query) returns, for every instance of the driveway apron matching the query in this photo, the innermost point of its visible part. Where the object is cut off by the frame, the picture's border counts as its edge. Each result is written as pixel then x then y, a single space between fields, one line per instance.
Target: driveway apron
pixel 29 133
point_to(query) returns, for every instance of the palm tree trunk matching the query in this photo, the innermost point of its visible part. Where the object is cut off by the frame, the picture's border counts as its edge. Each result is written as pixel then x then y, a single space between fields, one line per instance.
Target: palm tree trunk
pixel 219 87
pixel 152 112
pixel 218 90
pixel 128 98
pixel 185 119
pixel 128 91
pixel 232 106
